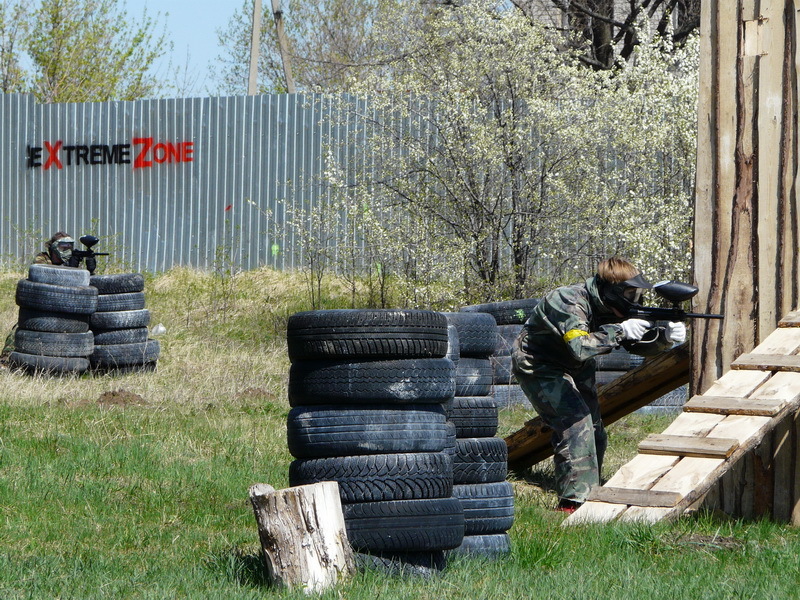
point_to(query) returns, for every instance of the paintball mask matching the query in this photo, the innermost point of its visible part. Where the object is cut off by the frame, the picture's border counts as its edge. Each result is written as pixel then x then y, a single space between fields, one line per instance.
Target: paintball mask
pixel 626 294
pixel 63 248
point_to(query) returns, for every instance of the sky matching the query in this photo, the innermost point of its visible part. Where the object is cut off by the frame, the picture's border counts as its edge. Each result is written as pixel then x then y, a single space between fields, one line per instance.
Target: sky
pixel 190 25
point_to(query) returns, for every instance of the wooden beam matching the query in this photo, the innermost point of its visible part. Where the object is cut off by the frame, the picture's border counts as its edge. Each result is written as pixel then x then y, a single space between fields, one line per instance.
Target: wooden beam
pixel 614 495
pixel 790 320
pixel 767 362
pixel 637 388
pixel 733 406
pixel 687 445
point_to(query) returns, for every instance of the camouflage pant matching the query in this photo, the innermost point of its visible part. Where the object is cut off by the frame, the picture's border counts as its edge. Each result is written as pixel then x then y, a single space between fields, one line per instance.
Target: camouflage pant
pixel 567 402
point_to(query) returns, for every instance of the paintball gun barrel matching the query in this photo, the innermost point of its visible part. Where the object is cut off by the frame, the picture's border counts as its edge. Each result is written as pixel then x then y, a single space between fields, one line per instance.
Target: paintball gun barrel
pixel 675 292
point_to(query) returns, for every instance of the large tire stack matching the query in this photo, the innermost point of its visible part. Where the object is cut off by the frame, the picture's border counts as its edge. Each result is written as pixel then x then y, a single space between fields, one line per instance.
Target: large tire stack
pixel 120 323
pixel 480 461
pixel 52 334
pixel 366 389
pixel 509 316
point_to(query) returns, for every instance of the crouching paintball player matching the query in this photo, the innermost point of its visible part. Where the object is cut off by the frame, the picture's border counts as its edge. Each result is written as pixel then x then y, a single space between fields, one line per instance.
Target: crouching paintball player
pixel 60 250
pixel 553 360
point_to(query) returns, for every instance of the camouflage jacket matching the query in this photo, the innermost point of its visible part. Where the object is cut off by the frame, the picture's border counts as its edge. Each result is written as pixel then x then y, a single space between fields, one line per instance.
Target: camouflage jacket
pixel 570 326
pixel 43 258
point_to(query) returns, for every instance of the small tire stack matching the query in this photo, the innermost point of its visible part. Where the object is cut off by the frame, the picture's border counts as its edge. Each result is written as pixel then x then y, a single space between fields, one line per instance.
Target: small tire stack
pixel 509 316
pixel 52 335
pixel 366 389
pixel 480 461
pixel 119 325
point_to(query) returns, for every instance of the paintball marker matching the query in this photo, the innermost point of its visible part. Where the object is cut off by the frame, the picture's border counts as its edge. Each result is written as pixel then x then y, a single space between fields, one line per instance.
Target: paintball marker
pixel 675 292
pixel 88 254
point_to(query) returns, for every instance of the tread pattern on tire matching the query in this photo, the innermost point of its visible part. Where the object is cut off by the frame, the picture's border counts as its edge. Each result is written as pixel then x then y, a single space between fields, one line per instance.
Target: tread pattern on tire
pixel 124 355
pixel 472 416
pixel 380 477
pixel 508 312
pixel 480 460
pixel 405 525
pixel 366 333
pixel 120 336
pixel 123 319
pixel 58 275
pixel 477 333
pixel 43 343
pixel 118 283
pixel 474 377
pixel 325 431
pixel 120 302
pixel 48 364
pixel 53 322
pixel 488 507
pixel 489 545
pixel 421 380
pixel 58 298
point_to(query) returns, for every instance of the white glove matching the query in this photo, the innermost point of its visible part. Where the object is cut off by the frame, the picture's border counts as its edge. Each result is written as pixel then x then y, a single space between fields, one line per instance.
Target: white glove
pixel 633 329
pixel 675 332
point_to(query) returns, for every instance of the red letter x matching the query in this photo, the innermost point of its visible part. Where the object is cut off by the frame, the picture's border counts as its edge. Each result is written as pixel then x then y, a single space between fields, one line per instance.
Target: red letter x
pixel 53 158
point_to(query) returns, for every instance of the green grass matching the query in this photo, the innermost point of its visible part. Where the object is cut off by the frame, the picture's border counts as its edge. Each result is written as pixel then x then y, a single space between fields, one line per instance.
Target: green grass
pixel 135 486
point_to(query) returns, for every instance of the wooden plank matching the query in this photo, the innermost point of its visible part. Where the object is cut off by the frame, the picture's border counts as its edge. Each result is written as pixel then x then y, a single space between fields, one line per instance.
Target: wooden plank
pixel 781 386
pixel 594 512
pixel 790 320
pixel 686 445
pixel 615 495
pixel 697 424
pixel 737 383
pixel 784 340
pixel 742 428
pixel 685 476
pixel 795 516
pixel 767 362
pixel 645 514
pixel 733 406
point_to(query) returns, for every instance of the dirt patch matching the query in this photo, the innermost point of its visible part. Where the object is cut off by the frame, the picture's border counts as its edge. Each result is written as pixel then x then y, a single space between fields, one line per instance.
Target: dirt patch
pixel 121 398
pixel 710 542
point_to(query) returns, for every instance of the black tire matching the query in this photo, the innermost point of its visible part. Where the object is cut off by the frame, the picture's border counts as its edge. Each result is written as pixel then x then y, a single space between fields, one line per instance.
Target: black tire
pixel 477 333
pixel 489 546
pixel 123 319
pixel 374 334
pixel 57 365
pixel 120 302
pixel 42 343
pixel 618 359
pixel 419 380
pixel 380 477
pixel 81 300
pixel 53 322
pixel 124 355
pixel 58 275
pixel 105 337
pixel 403 564
pixel 450 442
pixel 509 312
pixel 506 336
pixel 488 507
pixel 602 378
pixel 510 395
pixel 480 460
pixel 472 416
pixel 118 283
pixel 473 377
pixel 405 525
pixel 501 370
pixel 324 431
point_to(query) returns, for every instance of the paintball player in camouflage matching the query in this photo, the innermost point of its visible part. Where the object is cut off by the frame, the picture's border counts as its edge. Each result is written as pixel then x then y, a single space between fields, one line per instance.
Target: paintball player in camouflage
pixel 553 360
pixel 59 251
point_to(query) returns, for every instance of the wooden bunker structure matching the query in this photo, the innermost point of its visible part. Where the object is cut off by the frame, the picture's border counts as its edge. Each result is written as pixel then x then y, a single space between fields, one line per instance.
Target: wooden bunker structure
pixel 736 446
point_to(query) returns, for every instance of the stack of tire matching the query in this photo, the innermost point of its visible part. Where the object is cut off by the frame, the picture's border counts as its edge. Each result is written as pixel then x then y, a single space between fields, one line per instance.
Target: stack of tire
pixel 367 389
pixel 509 317
pixel 120 323
pixel 52 335
pixel 480 461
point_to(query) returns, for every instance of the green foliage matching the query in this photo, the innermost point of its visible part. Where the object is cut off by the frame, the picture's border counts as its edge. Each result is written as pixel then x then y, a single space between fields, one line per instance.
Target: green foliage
pixel 78 51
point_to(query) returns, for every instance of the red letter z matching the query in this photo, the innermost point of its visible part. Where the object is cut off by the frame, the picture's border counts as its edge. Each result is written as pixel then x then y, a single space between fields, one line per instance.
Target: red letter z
pixel 140 162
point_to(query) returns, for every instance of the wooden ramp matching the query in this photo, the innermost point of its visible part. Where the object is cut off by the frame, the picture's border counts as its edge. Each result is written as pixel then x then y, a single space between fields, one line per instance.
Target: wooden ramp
pixel 637 388
pixel 735 447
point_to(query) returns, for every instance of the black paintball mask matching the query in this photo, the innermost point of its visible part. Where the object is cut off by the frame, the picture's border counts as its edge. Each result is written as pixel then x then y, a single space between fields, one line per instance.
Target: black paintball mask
pixel 624 295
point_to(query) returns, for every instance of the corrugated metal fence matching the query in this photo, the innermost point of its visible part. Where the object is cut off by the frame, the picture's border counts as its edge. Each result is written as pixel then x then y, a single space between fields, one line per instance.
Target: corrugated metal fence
pixel 164 182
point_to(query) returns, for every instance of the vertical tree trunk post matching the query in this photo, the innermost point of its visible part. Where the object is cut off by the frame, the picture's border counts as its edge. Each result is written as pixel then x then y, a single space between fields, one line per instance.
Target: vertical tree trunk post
pixel 303 535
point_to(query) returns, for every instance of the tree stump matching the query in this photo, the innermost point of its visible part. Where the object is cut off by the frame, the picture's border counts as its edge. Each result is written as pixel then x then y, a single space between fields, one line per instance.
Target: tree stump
pixel 303 535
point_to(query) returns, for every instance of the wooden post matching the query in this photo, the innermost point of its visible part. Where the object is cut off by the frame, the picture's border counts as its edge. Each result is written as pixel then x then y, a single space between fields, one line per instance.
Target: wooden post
pixel 746 259
pixel 303 535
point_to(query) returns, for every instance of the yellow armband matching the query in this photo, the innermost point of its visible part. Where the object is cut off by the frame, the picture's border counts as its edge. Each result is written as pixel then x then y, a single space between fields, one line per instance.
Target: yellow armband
pixel 573 333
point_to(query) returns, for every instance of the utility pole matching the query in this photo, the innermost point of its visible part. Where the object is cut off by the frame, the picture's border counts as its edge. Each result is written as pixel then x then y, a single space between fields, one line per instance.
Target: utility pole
pixel 255 43
pixel 283 42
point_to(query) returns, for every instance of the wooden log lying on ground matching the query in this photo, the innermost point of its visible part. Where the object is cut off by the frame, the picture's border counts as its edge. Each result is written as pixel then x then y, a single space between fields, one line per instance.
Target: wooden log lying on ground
pixel 303 535
pixel 637 388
